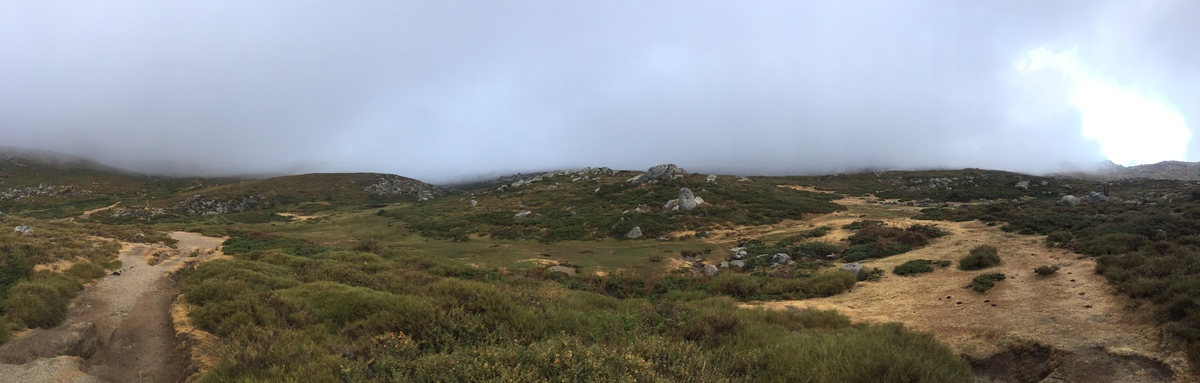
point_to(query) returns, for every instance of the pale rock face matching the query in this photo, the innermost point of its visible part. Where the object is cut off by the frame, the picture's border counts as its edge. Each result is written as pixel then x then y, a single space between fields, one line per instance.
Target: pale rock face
pixel 687 200
pixel 634 233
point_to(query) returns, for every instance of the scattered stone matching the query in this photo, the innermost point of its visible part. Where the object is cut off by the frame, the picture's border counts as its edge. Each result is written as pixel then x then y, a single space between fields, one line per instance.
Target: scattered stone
pixel 634 233
pixel 687 200
pixel 1069 200
pixel 738 263
pixel 712 178
pixel 26 230
pixel 710 270
pixel 522 214
pixel 658 172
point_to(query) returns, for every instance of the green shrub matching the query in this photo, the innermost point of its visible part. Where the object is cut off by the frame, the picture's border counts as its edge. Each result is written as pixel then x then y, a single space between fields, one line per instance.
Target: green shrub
pixel 85 271
pixel 1045 270
pixel 918 266
pixel 980 257
pixel 41 301
pixel 985 282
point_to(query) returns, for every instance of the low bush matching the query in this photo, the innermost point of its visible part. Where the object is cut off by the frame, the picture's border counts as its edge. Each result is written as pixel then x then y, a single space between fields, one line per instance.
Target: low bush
pixel 42 300
pixel 918 266
pixel 980 257
pixel 1045 270
pixel 85 271
pixel 985 282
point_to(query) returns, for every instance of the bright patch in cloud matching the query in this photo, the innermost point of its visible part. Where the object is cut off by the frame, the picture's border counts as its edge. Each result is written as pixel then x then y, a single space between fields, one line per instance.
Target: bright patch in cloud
pixel 1131 126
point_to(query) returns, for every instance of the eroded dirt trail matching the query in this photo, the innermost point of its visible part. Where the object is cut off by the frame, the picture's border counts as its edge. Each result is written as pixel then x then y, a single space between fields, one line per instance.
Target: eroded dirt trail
pixel 1070 326
pixel 118 328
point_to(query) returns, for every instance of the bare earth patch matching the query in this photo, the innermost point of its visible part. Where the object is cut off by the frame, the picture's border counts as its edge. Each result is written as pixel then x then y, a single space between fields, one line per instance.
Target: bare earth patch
pixel 1085 330
pixel 130 335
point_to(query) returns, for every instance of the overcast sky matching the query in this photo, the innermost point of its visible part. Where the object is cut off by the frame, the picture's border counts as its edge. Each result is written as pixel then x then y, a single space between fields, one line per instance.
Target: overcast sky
pixel 447 90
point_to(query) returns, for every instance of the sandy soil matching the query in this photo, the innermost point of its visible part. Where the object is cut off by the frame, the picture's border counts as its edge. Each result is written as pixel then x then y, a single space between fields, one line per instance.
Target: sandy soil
pixel 131 313
pixel 1088 331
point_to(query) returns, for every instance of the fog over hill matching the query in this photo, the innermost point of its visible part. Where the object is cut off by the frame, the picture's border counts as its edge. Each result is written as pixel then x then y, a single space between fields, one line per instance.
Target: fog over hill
pixel 450 91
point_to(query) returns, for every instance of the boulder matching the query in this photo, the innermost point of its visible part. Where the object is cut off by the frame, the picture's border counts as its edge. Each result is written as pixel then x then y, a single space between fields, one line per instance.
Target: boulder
pixel 634 233
pixel 852 267
pixel 1068 200
pixel 724 264
pixel 780 258
pixel 712 178
pixel 26 230
pixel 687 200
pixel 474 203
pixel 522 214
pixel 1023 185
pixel 79 340
pixel 739 263
pixel 710 270
pixel 1097 197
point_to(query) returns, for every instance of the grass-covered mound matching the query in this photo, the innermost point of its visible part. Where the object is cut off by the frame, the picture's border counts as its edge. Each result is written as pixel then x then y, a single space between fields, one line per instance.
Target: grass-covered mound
pixel 873 239
pixel 342 315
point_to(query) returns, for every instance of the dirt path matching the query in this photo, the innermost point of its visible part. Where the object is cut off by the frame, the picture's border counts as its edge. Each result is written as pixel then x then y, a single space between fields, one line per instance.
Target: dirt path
pixel 120 326
pixel 1071 326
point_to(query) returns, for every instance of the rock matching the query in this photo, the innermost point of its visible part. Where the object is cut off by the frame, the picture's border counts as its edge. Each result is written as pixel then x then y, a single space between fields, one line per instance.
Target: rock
pixel 663 238
pixel 780 258
pixel 740 254
pixel 671 205
pixel 1023 185
pixel 739 263
pixel 59 369
pixel 26 230
pixel 687 200
pixel 852 267
pixel 79 340
pixel 724 264
pixel 1096 197
pixel 474 203
pixel 562 269
pixel 1068 200
pixel 710 270
pixel 522 214
pixel 712 178
pixel 634 233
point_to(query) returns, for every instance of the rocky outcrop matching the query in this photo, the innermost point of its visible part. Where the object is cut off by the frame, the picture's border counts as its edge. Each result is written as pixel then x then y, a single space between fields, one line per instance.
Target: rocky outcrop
pixel 198 205
pixel 658 172
pixel 40 190
pixel 391 184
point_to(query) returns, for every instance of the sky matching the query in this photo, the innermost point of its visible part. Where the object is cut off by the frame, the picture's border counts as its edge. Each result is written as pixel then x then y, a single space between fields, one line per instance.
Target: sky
pixel 446 91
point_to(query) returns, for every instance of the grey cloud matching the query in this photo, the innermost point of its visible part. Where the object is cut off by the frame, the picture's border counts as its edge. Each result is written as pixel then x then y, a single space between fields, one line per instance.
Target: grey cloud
pixel 445 90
